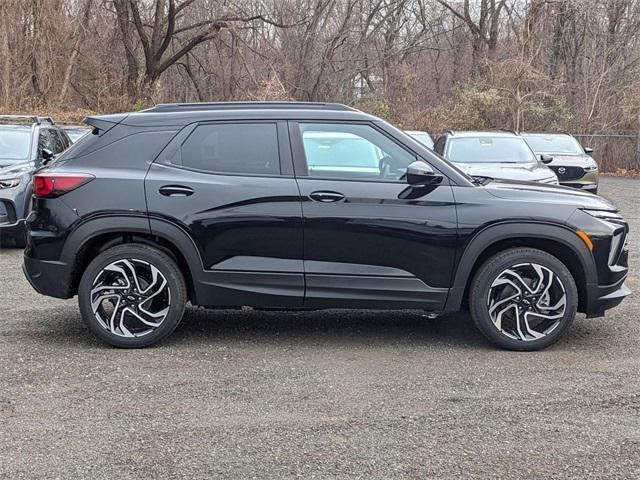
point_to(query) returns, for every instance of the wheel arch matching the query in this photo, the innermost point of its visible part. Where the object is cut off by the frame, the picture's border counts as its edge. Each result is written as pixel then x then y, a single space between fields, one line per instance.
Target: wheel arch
pixel 97 235
pixel 557 240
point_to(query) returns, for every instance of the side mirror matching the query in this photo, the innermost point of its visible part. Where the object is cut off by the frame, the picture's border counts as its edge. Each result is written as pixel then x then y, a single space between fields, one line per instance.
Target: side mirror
pixel 588 150
pixel 47 155
pixel 420 174
pixel 546 159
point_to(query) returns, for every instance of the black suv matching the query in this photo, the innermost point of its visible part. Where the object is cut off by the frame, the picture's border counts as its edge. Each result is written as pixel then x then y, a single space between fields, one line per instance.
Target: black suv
pixel 307 206
pixel 26 142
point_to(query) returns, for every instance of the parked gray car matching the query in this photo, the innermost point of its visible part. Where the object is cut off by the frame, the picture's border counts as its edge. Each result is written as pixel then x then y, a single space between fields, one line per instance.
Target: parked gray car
pixel 503 155
pixel 25 143
pixel 422 137
pixel 571 161
pixel 75 132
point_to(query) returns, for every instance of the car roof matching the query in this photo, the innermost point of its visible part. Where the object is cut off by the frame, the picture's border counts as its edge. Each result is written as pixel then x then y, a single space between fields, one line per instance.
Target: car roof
pixel 74 127
pixel 472 133
pixel 28 120
pixel 545 134
pixel 179 115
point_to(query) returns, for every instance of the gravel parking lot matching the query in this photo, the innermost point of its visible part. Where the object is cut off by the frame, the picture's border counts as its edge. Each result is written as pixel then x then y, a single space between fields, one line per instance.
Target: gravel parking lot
pixel 327 394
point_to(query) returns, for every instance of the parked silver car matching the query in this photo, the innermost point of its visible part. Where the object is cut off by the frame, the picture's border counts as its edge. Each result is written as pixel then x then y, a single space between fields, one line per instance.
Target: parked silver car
pixel 571 161
pixel 422 137
pixel 501 154
pixel 75 132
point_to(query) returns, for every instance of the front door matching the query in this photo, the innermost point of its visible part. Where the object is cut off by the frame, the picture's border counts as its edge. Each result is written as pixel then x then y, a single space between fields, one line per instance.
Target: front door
pixel 230 187
pixel 370 239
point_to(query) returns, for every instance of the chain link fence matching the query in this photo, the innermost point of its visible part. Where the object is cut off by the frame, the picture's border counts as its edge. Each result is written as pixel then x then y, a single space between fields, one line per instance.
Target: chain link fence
pixel 613 152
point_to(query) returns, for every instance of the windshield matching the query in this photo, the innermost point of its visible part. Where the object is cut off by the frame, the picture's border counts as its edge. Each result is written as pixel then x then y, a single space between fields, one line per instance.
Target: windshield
pixel 15 144
pixel 423 138
pixel 553 144
pixel 489 150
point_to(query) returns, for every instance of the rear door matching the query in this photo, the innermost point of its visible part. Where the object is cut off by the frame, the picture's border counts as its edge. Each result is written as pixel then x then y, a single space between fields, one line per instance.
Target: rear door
pixel 230 187
pixel 370 239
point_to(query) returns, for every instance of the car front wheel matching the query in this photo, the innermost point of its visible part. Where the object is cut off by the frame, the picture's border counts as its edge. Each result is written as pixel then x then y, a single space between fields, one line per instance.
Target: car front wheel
pixel 523 299
pixel 132 296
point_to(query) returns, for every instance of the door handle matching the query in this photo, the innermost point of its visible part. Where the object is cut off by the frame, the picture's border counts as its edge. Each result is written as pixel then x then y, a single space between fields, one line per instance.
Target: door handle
pixel 175 191
pixel 326 197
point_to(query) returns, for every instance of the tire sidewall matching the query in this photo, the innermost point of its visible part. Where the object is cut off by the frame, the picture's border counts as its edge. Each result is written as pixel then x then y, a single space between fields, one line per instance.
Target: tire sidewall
pixel 154 257
pixel 494 267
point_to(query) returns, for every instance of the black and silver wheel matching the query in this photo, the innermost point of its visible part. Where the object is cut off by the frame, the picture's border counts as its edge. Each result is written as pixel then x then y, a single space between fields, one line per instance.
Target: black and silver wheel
pixel 132 296
pixel 523 299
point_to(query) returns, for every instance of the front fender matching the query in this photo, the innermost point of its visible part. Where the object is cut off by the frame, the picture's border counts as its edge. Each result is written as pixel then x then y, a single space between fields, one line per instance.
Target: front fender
pixel 517 230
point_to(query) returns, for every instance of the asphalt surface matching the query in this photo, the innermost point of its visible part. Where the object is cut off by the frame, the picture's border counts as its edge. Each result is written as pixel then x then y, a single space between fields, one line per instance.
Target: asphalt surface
pixel 241 394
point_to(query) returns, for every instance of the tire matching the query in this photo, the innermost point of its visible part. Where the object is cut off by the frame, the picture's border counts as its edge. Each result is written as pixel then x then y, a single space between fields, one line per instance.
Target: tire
pixel 131 284
pixel 496 304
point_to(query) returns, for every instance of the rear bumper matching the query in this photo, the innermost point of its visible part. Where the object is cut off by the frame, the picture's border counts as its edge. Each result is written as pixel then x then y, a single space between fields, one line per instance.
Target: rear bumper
pixel 51 278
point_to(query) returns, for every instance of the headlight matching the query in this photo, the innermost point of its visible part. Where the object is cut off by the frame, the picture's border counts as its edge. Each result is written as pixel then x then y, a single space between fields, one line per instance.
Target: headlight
pixel 603 214
pixel 592 167
pixel 10 182
pixel 549 180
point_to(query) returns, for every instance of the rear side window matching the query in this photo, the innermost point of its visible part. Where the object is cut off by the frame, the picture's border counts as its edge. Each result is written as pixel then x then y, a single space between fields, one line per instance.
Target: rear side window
pixel 233 148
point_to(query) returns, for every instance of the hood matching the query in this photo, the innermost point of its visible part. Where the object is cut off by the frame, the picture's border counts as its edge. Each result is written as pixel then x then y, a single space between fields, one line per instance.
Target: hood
pixel 545 193
pixel 16 169
pixel 577 160
pixel 512 171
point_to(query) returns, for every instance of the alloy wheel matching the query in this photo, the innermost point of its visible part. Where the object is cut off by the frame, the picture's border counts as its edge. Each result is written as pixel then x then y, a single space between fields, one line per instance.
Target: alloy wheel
pixel 527 301
pixel 130 298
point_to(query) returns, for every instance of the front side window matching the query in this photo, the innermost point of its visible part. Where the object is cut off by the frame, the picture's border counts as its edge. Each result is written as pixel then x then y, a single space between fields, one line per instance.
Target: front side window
pixel 58 141
pixel 352 151
pixel 233 148
pixel 45 142
pixel 489 150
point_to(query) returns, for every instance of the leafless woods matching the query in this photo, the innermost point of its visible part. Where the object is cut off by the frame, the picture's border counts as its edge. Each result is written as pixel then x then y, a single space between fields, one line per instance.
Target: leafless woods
pixel 433 64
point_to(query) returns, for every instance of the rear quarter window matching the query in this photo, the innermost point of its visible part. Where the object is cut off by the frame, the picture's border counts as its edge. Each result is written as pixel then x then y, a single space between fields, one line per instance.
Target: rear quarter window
pixel 129 150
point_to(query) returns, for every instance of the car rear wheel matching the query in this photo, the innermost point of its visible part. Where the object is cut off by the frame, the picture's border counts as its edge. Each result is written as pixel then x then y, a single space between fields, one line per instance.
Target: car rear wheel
pixel 132 296
pixel 523 299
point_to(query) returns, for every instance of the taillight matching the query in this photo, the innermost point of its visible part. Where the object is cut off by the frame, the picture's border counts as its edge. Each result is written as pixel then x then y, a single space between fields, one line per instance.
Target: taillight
pixel 51 185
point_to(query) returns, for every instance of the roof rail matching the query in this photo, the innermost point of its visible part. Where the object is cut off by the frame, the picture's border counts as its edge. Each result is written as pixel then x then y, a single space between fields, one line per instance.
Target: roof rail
pixel 450 132
pixel 510 130
pixel 186 107
pixel 25 120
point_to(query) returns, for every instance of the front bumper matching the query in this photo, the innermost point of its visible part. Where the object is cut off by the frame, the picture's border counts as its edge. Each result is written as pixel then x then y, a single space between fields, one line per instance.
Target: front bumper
pixel 13 230
pixel 51 278
pixel 605 298
pixel 587 182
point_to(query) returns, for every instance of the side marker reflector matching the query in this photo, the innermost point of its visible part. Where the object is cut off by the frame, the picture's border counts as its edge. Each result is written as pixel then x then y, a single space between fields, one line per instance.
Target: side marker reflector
pixel 585 238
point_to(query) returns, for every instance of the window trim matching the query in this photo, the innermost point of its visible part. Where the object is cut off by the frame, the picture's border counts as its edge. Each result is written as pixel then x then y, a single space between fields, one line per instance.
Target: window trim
pixel 282 141
pixel 300 157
